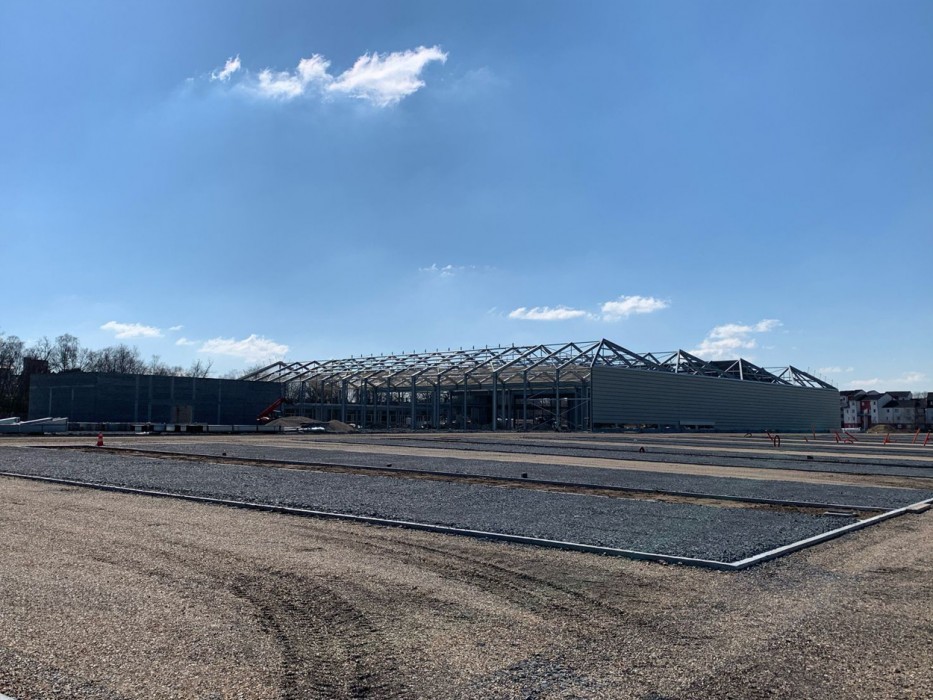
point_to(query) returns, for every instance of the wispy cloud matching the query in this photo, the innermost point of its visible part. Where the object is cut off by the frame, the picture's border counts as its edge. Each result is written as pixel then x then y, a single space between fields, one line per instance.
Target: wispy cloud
pixel 184 342
pixel 546 313
pixel 254 348
pixel 610 311
pixel 835 370
pixel 908 381
pixel 131 330
pixel 728 340
pixel 452 270
pixel 623 307
pixel 230 67
pixel 175 329
pixel 380 79
pixel 386 79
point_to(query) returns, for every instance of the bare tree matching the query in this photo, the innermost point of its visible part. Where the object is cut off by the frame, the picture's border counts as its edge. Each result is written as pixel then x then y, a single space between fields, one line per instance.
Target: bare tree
pixel 42 350
pixel 66 353
pixel 11 366
pixel 120 359
pixel 157 367
pixel 200 369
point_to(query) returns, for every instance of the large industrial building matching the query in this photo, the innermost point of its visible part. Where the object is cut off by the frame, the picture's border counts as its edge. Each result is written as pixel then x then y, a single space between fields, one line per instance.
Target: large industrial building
pixel 579 386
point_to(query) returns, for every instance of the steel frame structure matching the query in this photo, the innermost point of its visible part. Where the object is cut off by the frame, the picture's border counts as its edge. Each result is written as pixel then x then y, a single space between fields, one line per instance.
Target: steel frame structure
pixel 487 387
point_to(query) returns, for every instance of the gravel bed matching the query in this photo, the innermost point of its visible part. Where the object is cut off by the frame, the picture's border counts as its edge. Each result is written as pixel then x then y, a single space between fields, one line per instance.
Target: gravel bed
pixel 669 453
pixel 723 534
pixel 868 496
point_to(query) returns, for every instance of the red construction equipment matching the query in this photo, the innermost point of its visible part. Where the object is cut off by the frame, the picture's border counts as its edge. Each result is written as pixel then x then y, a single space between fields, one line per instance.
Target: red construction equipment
pixel 268 411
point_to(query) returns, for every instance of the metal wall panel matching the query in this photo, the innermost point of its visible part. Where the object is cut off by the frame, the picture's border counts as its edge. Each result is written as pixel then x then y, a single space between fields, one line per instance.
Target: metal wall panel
pixel 125 398
pixel 626 396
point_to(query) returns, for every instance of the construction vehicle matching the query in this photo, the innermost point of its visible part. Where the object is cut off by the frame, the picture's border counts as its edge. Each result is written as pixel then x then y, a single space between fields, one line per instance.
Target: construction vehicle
pixel 271 412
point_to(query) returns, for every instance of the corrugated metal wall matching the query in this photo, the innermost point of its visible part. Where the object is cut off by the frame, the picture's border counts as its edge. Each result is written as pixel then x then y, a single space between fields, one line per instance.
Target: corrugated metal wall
pixel 626 396
pixel 127 398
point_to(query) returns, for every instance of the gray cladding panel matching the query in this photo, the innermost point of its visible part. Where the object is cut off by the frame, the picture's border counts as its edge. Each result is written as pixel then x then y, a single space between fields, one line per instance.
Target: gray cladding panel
pixel 636 396
pixel 119 398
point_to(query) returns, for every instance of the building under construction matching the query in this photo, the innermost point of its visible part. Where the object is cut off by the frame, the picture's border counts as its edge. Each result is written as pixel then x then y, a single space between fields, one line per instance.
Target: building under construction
pixel 576 386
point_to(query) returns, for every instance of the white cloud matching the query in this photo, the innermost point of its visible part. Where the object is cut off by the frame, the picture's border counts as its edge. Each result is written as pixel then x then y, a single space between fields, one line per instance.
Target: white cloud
pixel 908 381
pixel 727 341
pixel 230 67
pixel 386 79
pixel 451 270
pixel 835 370
pixel 442 271
pixel 252 349
pixel 623 307
pixel 175 329
pixel 381 79
pixel 131 330
pixel 185 341
pixel 546 313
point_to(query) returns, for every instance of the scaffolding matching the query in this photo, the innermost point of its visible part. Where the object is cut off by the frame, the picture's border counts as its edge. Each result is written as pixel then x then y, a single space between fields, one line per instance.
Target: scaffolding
pixel 515 387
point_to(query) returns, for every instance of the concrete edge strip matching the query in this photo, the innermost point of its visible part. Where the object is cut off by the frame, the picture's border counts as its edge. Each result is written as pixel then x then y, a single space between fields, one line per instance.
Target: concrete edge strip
pixel 385 522
pixel 826 536
pixel 6 697
pixel 504 479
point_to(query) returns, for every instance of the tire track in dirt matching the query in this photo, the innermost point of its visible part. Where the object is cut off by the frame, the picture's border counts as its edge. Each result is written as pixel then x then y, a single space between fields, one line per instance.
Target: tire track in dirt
pixel 330 649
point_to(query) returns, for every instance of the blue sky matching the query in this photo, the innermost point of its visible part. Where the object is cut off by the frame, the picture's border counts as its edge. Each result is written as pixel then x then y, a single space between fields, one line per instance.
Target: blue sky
pixel 243 181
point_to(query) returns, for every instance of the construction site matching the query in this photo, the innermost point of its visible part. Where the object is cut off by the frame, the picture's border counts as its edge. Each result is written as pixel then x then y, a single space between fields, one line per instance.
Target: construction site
pixel 645 525
pixel 570 386
pixel 388 564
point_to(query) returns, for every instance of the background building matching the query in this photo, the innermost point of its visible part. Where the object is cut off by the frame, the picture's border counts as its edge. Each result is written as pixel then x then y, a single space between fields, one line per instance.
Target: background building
pixel 97 397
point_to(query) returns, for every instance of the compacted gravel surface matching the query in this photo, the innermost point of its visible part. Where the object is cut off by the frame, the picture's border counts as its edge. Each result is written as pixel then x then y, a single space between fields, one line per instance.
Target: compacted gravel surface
pixel 868 496
pixel 821 461
pixel 529 454
pixel 120 597
pixel 699 531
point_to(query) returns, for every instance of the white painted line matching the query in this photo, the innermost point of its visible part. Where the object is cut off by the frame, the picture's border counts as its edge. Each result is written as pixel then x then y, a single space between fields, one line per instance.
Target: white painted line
pixel 6 697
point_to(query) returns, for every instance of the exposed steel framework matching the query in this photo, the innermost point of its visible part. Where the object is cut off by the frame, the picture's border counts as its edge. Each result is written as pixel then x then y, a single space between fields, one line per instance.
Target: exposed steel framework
pixel 444 387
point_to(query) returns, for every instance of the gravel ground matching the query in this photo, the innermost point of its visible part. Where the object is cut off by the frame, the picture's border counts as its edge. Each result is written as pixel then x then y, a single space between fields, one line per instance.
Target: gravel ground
pixel 126 597
pixel 708 485
pixel 529 454
pixel 668 453
pixel 706 532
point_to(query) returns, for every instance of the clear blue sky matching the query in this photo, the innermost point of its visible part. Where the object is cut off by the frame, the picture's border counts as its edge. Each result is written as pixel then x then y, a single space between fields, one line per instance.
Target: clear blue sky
pixel 243 181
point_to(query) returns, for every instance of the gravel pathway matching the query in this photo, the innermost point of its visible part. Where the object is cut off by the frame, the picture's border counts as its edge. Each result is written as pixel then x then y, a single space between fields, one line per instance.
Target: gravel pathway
pixel 666 453
pixel 868 496
pixel 724 534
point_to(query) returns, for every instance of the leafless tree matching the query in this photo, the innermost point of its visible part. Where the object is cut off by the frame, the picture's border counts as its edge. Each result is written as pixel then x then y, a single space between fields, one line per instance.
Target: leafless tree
pixel 65 354
pixel 11 366
pixel 120 359
pixel 200 369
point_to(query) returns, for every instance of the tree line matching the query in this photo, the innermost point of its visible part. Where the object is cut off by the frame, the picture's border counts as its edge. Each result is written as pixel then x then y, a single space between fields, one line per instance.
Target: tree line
pixel 65 354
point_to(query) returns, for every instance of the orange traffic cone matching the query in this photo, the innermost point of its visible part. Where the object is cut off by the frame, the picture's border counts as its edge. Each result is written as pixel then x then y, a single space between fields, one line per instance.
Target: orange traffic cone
pixel 100 439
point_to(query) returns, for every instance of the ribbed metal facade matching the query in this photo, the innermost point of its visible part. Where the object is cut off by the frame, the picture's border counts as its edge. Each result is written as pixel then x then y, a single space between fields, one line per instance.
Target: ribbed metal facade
pixel 623 396
pixel 127 398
